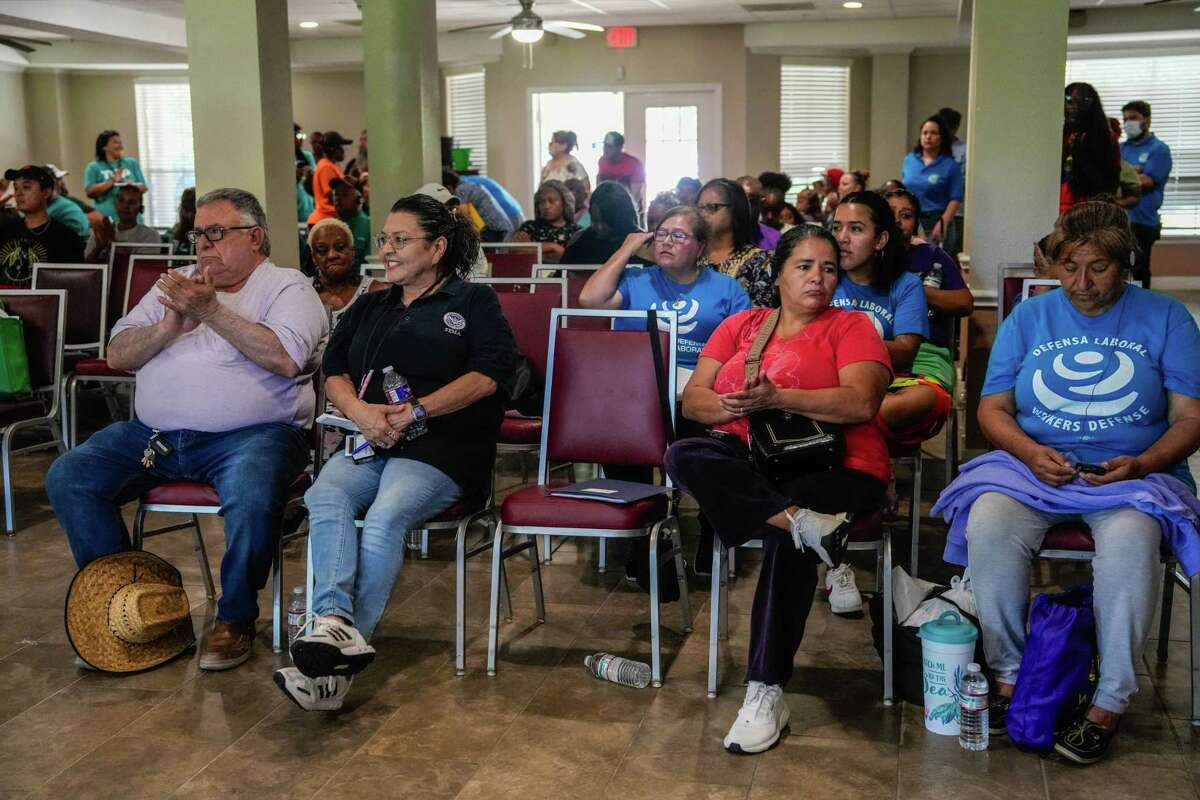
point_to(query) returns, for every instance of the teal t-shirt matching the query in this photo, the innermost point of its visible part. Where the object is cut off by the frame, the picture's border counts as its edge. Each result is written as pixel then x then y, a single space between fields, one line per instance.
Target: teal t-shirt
pixel 304 203
pixel 102 172
pixel 69 214
pixel 360 225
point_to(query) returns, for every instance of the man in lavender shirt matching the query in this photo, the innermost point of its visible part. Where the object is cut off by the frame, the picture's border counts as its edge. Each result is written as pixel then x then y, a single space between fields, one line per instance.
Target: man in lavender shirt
pixel 224 354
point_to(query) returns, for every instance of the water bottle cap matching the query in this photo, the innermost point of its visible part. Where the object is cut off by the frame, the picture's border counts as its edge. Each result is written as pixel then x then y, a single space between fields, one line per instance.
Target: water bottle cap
pixel 297 590
pixel 949 628
pixel 973 667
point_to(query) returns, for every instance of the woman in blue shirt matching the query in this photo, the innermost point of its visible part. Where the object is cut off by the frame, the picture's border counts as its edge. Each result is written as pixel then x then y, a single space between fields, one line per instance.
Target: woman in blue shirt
pixel 932 174
pixel 109 172
pixel 876 281
pixel 1084 394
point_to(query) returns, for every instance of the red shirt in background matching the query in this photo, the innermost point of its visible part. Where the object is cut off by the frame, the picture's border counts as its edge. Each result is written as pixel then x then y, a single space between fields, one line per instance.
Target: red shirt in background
pixel 809 360
pixel 627 170
pixel 323 175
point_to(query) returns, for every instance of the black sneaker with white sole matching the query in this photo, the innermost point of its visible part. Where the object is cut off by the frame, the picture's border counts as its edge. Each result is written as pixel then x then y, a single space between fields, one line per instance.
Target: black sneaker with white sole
pixel 331 648
pixel 1083 741
pixel 998 714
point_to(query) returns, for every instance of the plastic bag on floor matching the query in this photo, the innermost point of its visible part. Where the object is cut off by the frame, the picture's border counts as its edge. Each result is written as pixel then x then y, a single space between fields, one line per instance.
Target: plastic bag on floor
pixel 958 597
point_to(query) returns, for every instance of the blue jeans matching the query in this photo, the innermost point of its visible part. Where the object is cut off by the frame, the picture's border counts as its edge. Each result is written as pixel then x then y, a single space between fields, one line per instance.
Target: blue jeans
pixel 1003 535
pixel 353 574
pixel 250 468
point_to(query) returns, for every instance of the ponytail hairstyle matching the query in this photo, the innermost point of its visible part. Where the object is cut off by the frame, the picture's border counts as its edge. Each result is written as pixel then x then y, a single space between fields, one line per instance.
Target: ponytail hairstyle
pixel 890 261
pixel 102 141
pixel 805 230
pixel 438 221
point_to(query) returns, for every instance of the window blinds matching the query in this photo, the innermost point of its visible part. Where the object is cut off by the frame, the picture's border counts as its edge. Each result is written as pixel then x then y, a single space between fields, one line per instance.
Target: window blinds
pixel 164 121
pixel 814 120
pixel 1171 85
pixel 467 116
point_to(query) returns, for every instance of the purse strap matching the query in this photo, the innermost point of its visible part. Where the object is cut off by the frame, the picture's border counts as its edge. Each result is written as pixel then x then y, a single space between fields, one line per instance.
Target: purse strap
pixel 754 357
pixel 660 375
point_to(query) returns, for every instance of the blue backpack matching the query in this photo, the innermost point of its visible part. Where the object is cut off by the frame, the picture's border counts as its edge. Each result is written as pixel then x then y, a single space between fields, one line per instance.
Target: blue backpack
pixel 1059 670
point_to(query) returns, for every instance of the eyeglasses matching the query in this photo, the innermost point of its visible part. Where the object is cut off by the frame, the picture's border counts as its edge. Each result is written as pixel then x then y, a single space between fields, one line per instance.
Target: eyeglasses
pixel 397 242
pixel 215 233
pixel 678 237
pixel 712 208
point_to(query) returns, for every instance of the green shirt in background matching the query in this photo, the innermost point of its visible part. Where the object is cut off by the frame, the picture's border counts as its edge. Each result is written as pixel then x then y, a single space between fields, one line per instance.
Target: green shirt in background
pixel 304 203
pixel 360 225
pixel 71 215
pixel 102 172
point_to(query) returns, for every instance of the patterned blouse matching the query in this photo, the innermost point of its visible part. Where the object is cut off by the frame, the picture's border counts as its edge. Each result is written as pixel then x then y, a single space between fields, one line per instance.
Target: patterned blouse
pixel 751 266
pixel 571 168
pixel 541 231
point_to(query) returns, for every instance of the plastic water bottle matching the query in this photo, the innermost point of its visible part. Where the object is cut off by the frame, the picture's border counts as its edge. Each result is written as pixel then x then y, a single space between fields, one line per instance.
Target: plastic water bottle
pixel 973 709
pixel 295 612
pixel 396 391
pixel 608 667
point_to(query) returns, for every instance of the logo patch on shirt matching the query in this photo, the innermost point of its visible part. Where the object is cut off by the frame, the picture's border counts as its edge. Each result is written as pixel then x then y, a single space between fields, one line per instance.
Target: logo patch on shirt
pixel 1143 158
pixel 454 321
pixel 685 313
pixel 934 178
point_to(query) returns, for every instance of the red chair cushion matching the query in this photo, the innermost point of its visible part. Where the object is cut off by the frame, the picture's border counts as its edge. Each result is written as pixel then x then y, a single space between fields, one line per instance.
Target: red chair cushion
pixel 189 493
pixel 1069 536
pixel 520 430
pixel 534 506
pixel 99 367
pixel 20 410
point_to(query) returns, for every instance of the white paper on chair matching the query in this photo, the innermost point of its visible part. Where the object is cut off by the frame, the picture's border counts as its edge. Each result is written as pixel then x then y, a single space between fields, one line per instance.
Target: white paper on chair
pixel 334 421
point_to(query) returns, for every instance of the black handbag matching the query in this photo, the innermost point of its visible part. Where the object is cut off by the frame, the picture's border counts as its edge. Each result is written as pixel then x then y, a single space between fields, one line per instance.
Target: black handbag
pixel 784 443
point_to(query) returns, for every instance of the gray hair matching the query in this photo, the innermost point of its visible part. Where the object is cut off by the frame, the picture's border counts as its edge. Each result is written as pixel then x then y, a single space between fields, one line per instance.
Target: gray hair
pixel 247 205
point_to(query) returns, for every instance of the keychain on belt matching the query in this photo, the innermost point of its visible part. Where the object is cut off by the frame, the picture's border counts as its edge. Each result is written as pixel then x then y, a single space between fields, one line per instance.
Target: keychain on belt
pixel 157 444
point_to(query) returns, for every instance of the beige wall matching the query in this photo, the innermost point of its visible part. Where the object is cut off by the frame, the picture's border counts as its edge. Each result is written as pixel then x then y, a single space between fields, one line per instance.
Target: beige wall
pixel 762 113
pixel 325 100
pixel 14 133
pixel 696 54
pixel 937 80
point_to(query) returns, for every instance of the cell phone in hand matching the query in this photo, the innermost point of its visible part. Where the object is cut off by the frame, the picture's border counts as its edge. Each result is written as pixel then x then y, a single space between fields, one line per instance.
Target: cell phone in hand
pixel 1090 469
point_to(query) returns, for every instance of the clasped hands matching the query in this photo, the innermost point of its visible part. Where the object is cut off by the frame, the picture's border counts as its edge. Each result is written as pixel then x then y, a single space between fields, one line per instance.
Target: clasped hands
pixel 757 394
pixel 188 300
pixel 383 425
pixel 1052 467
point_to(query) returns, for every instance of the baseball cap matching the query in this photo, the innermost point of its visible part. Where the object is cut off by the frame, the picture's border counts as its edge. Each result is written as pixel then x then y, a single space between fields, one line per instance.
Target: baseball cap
pixel 31 172
pixel 439 193
pixel 56 172
pixel 333 138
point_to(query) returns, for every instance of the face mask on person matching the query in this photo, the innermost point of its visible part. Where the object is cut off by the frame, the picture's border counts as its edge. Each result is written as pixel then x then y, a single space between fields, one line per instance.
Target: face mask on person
pixel 1133 128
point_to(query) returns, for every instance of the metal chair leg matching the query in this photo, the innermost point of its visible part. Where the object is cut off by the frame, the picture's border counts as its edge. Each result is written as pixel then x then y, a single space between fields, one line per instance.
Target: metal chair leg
pixel 460 599
pixel 494 604
pixel 424 543
pixel 1194 642
pixel 720 579
pixel 277 597
pixel 685 603
pixel 202 556
pixel 71 389
pixel 547 548
pixel 1164 615
pixel 915 524
pixel 310 580
pixel 6 458
pixel 655 633
pixel 888 653
pixel 539 597
pixel 603 556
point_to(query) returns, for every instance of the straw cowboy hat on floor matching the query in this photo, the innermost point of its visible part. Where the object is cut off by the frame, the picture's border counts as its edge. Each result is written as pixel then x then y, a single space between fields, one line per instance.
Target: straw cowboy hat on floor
pixel 128 612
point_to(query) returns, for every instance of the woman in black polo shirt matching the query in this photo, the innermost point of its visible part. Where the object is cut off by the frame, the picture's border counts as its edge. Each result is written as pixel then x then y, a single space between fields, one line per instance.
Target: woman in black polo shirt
pixel 450 341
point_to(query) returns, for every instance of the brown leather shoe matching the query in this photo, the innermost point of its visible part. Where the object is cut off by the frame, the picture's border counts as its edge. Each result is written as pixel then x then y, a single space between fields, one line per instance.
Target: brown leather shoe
pixel 226 646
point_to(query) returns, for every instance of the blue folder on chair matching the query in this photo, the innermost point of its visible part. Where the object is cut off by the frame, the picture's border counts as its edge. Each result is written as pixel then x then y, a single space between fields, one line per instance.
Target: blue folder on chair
pixel 610 491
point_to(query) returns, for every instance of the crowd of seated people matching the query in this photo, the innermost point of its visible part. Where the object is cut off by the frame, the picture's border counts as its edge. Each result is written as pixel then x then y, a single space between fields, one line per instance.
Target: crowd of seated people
pixel 839 306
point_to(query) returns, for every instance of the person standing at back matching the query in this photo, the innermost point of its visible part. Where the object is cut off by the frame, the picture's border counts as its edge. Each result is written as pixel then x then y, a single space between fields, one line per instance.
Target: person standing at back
pixel 110 171
pixel 562 165
pixel 617 165
pixel 931 173
pixel 333 153
pixel 1151 158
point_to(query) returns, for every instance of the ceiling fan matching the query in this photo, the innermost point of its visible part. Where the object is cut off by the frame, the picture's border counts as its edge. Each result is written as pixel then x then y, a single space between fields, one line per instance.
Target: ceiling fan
pixel 22 44
pixel 527 27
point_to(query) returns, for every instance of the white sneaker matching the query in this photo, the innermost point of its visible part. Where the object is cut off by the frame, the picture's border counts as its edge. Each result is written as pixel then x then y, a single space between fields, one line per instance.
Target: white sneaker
pixel 332 648
pixel 313 694
pixel 824 534
pixel 763 717
pixel 844 597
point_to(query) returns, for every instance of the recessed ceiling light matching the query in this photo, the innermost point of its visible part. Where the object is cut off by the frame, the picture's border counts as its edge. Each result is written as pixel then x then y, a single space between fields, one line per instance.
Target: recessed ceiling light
pixel 851 4
pixel 308 24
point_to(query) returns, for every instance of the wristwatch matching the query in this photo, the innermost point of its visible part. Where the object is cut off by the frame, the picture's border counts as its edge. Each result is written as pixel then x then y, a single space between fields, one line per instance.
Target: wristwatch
pixel 418 412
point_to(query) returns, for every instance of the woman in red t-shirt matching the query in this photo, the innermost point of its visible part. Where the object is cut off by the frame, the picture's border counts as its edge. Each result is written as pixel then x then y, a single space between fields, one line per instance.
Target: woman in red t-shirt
pixel 822 362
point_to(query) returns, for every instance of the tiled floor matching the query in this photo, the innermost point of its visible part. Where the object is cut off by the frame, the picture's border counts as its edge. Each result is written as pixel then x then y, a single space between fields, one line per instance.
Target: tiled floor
pixel 541 728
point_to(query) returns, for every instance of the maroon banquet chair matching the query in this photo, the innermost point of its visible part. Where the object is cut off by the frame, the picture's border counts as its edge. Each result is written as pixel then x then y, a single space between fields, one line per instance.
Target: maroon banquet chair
pixel 602 406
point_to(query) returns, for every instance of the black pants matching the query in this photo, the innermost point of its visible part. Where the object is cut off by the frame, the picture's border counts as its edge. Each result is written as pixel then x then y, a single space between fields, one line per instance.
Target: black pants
pixel 738 501
pixel 1146 236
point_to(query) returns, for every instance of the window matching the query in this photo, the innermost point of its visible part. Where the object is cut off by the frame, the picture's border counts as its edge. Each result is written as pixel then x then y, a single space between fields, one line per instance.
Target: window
pixel 589 114
pixel 814 120
pixel 672 146
pixel 164 120
pixel 466 116
pixel 1171 85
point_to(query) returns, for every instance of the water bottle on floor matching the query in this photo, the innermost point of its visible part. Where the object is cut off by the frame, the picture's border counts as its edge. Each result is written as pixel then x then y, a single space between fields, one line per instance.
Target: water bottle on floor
pixel 295 612
pixel 973 709
pixel 397 392
pixel 608 667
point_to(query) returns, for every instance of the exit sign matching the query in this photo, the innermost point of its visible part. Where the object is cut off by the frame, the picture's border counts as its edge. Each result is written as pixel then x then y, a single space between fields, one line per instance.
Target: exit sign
pixel 622 36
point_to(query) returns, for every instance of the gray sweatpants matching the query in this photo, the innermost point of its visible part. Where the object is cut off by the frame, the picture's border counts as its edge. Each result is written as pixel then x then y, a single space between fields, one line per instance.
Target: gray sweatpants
pixel 1003 535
